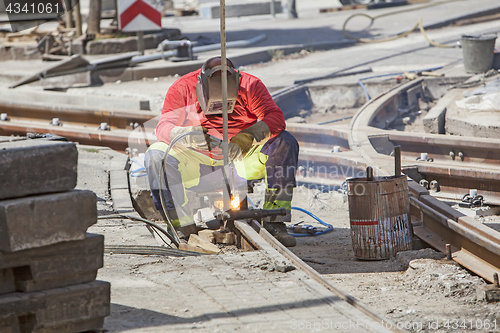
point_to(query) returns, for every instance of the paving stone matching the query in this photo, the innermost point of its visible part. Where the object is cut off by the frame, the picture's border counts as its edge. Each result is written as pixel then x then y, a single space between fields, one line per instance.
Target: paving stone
pixel 118 179
pixel 41 220
pixel 37 166
pixel 52 266
pixel 121 201
pixel 81 306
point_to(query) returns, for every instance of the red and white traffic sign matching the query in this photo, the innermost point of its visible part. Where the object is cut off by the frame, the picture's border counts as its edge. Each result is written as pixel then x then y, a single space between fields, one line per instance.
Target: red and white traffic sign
pixel 139 15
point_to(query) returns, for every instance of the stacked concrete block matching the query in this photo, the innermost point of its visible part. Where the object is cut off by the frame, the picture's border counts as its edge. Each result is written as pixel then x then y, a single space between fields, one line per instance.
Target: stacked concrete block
pixel 48 262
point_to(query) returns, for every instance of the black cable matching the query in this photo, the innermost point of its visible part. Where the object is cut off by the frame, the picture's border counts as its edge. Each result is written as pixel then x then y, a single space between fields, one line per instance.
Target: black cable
pixel 149 250
pixel 151 224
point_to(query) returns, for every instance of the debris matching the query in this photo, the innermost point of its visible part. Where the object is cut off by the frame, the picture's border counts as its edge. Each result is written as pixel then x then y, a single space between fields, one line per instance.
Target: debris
pixel 197 241
pixel 216 236
pixel 426 73
pixel 284 268
pixel 410 76
pixel 193 248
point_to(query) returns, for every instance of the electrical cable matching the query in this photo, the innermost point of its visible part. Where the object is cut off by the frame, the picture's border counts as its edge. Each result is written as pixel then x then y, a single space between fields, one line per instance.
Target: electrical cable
pixel 163 181
pixel 149 250
pixel 328 229
pixel 149 223
pixel 403 34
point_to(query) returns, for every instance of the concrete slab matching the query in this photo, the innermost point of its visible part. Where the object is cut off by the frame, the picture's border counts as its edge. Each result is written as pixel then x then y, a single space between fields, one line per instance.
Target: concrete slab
pixel 37 166
pixel 53 266
pixel 75 308
pixel 243 8
pixel 49 218
pixel 27 96
pixel 434 120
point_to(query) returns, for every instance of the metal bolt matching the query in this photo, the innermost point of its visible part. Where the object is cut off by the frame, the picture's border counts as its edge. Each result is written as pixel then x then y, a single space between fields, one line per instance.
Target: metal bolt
pixel 495 280
pixel 448 252
pixel 135 152
pixel 302 170
pixel 336 149
pixel 128 151
pixel 434 185
pixel 103 127
pixel 461 155
pixel 424 183
pixel 311 171
pixel 369 173
pixel 3 117
pixel 55 122
pixel 452 155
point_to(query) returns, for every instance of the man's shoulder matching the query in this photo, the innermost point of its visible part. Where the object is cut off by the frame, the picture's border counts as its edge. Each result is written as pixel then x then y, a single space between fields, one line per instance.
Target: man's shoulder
pixel 248 79
pixel 188 78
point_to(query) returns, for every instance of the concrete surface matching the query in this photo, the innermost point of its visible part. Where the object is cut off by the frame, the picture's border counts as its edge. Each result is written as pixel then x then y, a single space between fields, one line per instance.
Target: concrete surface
pixel 66 100
pixel 434 121
pixel 211 293
pixel 247 8
pixel 45 219
pixel 37 166
pixel 55 311
pixel 52 266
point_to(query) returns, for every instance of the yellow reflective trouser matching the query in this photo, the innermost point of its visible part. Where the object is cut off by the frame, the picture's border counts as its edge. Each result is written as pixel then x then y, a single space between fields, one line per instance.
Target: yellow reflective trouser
pixel 189 166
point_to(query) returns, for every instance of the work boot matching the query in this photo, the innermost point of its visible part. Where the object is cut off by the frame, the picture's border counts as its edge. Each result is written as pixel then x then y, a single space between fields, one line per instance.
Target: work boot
pixel 185 230
pixel 278 230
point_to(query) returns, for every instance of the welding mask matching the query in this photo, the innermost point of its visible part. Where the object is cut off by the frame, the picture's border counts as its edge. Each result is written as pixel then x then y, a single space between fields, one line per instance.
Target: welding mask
pixel 209 89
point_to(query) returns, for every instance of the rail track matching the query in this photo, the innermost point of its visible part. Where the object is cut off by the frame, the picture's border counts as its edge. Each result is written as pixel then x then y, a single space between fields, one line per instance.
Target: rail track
pixel 459 163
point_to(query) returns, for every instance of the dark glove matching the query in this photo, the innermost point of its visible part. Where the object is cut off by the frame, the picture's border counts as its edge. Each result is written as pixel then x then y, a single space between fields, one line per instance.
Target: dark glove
pixel 257 134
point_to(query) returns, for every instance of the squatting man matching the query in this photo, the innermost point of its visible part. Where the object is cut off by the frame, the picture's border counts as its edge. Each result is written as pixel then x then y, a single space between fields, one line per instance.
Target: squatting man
pixel 258 143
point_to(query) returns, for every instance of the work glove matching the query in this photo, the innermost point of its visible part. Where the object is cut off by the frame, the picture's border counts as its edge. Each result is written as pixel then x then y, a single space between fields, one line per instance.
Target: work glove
pixel 198 138
pixel 234 151
pixel 257 134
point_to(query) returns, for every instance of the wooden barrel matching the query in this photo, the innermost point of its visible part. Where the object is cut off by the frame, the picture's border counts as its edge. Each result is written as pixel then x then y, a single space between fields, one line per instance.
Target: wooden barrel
pixel 379 211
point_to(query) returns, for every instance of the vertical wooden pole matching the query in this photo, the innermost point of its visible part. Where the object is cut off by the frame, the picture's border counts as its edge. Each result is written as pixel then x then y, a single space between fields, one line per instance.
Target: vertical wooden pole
pixel 69 12
pixel 78 19
pixel 94 21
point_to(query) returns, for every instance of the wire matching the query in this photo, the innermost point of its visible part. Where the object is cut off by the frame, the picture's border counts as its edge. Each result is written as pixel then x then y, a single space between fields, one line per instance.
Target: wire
pixel 403 34
pixel 391 74
pixel 154 226
pixel 328 229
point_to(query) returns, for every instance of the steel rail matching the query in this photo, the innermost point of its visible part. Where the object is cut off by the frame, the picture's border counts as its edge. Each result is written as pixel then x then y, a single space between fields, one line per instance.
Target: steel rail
pixel 261 239
pixel 367 137
pixel 477 247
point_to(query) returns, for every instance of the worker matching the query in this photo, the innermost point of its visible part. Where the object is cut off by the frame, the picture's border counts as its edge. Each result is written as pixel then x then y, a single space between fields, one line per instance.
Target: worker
pixel 256 128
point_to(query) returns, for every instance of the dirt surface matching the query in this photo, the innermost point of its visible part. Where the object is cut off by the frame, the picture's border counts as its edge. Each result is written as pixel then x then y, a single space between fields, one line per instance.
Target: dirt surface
pixel 418 290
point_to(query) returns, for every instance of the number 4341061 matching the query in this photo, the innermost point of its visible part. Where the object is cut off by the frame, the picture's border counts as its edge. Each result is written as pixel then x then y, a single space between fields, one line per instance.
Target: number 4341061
pixel 39 8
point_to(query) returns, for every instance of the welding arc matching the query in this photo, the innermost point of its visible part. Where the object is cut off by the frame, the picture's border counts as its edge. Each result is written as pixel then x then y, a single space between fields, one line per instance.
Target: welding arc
pixel 403 34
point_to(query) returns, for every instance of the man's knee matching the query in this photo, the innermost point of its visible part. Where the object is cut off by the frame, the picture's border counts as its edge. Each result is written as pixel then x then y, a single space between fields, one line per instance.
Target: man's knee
pixel 284 143
pixel 155 154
